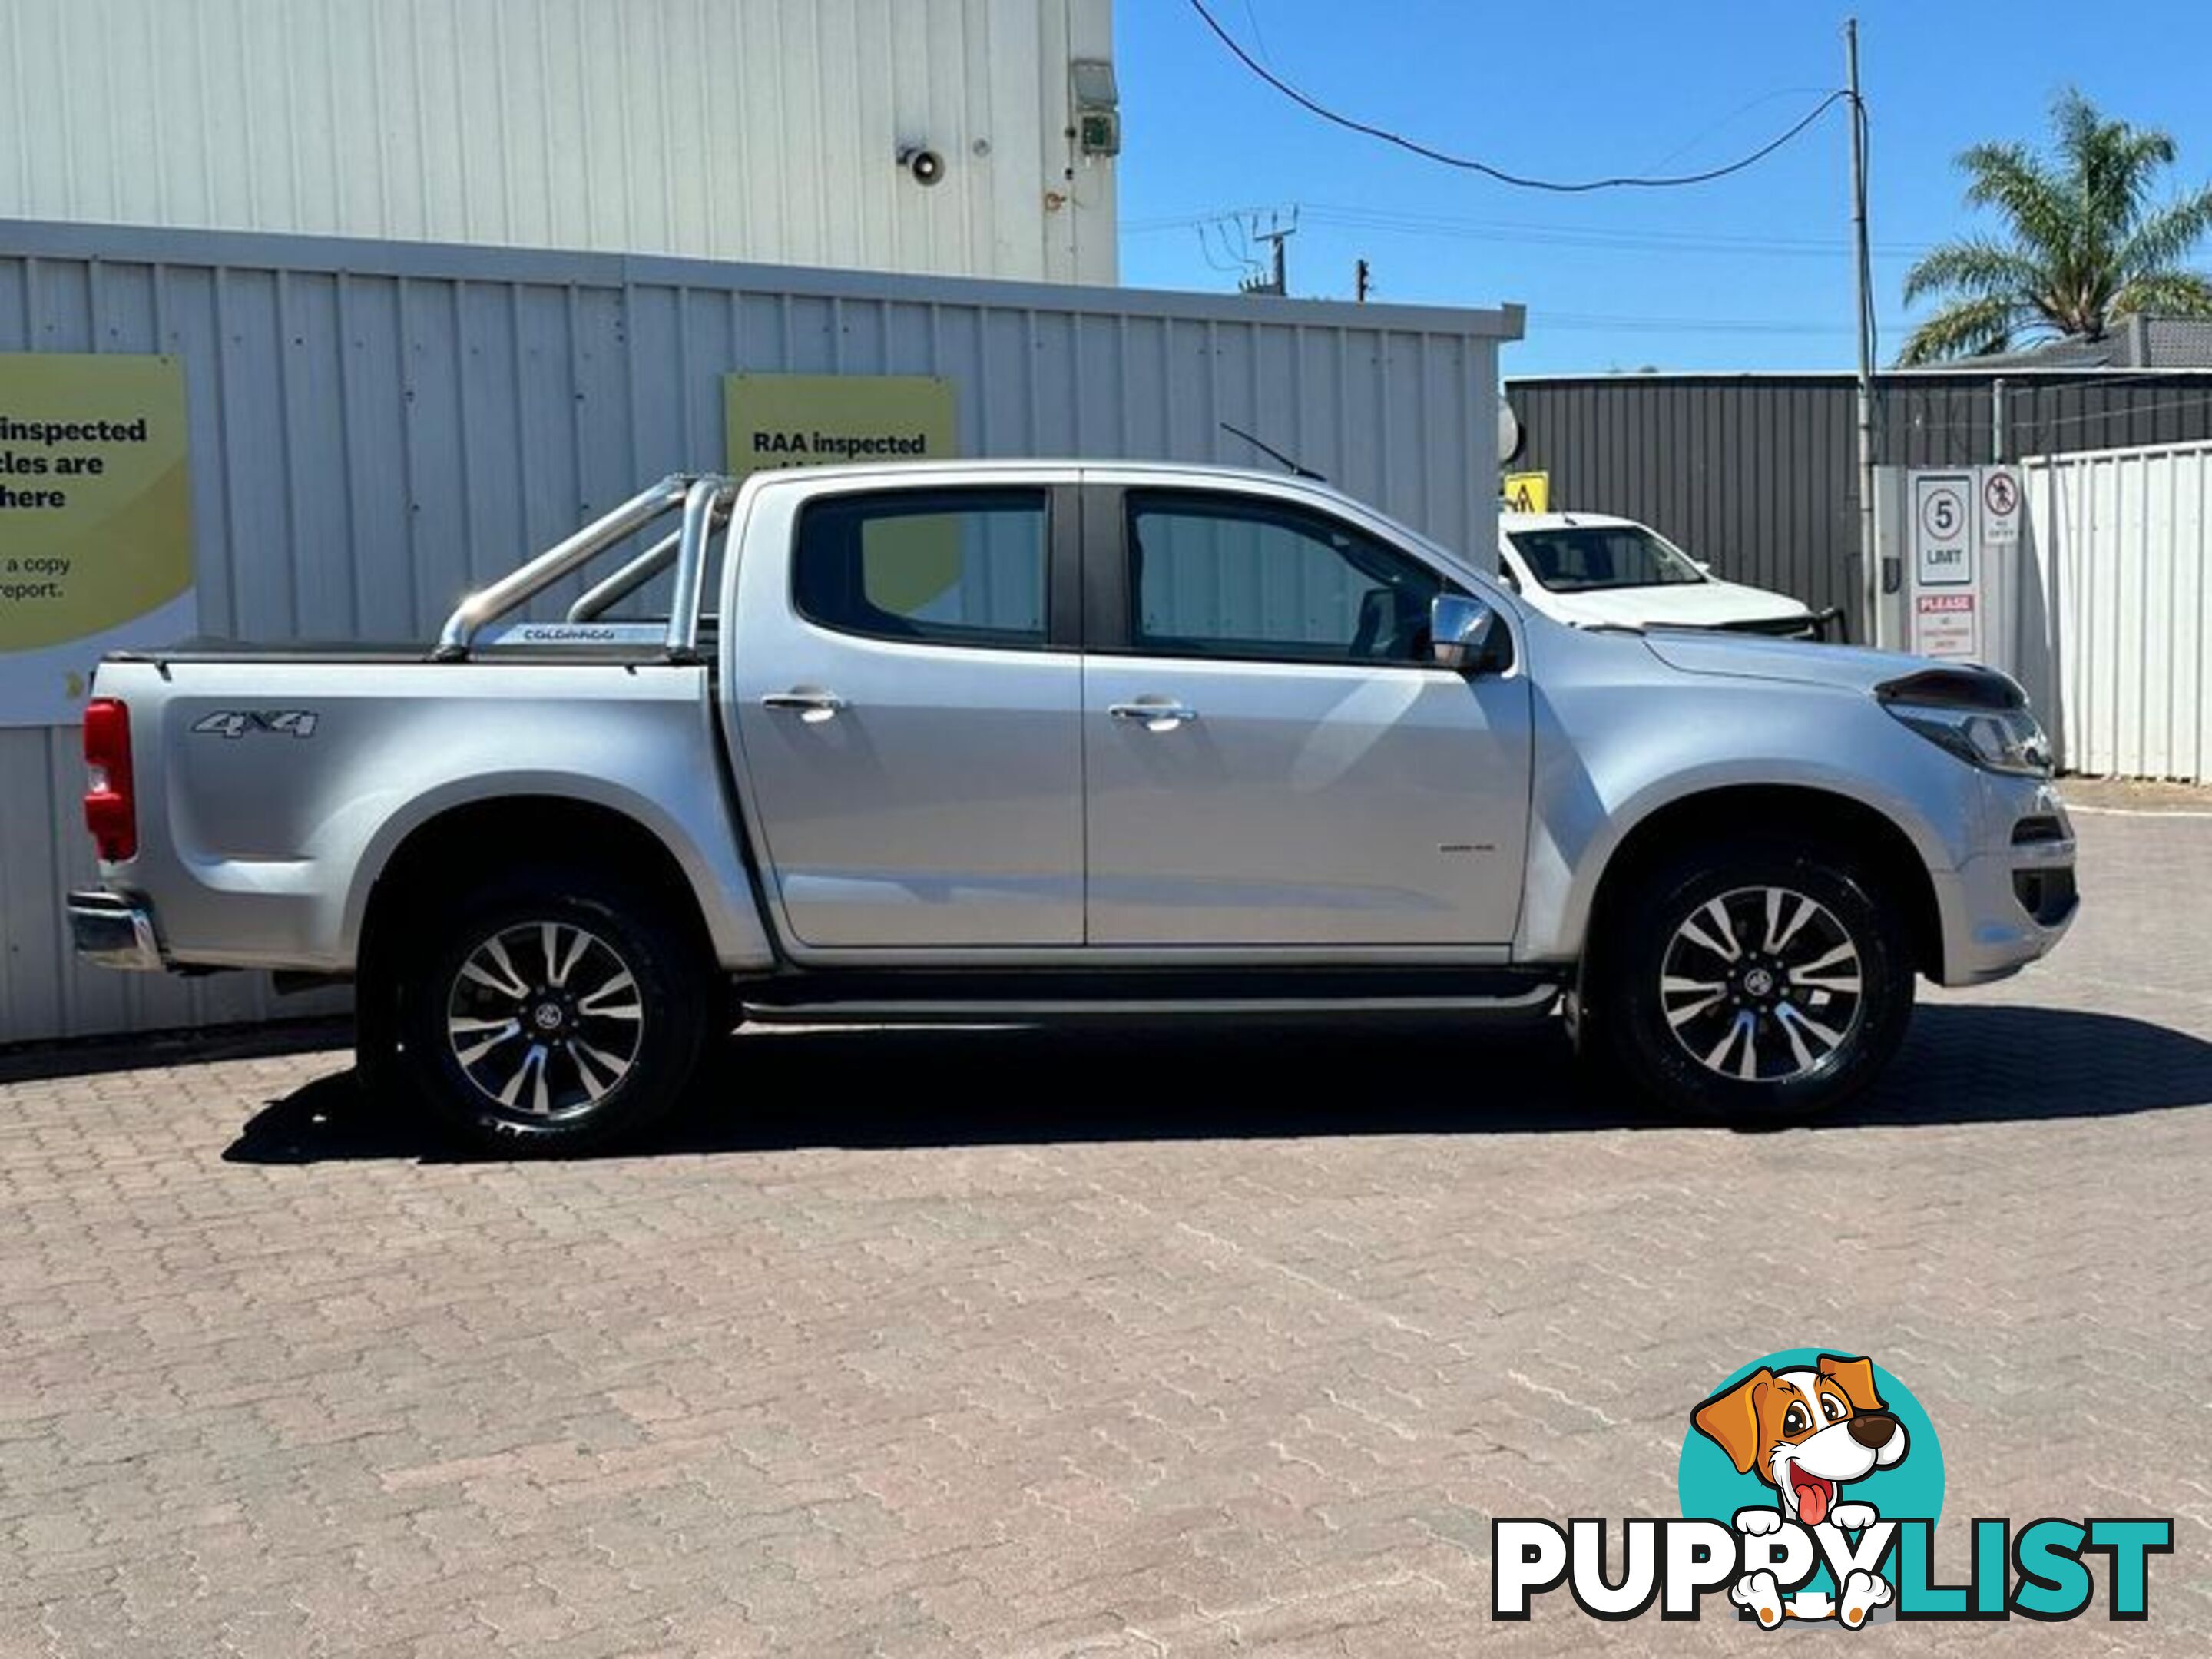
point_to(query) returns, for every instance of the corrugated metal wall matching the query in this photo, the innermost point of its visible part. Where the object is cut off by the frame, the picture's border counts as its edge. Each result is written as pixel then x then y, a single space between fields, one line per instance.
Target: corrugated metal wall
pixel 377 428
pixel 764 130
pixel 1757 473
pixel 2120 542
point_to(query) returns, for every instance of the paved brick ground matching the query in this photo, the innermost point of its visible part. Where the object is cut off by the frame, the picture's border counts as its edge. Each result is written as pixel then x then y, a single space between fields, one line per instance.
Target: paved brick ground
pixel 1188 1345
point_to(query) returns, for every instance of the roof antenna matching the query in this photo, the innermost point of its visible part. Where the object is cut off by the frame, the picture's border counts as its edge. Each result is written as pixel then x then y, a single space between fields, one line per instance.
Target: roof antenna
pixel 1269 449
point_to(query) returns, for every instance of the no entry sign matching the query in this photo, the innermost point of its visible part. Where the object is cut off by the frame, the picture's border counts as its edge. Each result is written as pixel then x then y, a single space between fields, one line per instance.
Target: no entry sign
pixel 2001 495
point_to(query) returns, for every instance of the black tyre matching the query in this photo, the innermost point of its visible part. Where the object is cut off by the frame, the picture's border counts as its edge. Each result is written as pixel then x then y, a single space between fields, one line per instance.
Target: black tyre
pixel 550 1012
pixel 1754 982
pixel 376 1068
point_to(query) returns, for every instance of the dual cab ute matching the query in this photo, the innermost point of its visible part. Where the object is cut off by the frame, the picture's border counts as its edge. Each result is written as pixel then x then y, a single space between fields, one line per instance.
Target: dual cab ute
pixel 1025 740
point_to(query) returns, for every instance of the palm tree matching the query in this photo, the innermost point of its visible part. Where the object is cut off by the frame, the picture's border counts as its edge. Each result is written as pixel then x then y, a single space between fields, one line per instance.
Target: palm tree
pixel 2084 244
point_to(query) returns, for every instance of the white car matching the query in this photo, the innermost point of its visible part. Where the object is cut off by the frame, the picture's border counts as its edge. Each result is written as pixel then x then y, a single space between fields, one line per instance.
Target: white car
pixel 1594 570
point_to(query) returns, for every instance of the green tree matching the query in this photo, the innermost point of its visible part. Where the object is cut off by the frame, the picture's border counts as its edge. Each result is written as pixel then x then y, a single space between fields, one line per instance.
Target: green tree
pixel 2083 243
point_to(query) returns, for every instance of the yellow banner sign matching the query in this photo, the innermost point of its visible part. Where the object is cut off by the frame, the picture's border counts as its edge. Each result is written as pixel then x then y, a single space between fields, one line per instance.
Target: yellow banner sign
pixel 95 521
pixel 825 420
pixel 1528 492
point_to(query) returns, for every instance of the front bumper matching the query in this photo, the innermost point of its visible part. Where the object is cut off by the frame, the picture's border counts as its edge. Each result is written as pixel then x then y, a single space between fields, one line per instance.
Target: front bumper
pixel 2003 909
pixel 114 931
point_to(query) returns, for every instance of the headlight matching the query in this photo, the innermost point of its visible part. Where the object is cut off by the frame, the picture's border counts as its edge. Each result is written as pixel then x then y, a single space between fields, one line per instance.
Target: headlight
pixel 1979 715
pixel 2008 742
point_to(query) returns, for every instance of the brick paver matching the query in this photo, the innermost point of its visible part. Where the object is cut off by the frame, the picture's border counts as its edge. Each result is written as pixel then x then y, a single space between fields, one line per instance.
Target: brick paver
pixel 1142 1344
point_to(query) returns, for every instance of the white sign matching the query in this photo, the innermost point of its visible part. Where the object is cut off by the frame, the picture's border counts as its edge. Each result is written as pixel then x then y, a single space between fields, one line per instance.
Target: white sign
pixel 1943 529
pixel 1946 625
pixel 2001 495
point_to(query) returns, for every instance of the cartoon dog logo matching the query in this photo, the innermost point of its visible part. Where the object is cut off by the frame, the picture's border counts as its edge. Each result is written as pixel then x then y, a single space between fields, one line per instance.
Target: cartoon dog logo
pixel 1806 1433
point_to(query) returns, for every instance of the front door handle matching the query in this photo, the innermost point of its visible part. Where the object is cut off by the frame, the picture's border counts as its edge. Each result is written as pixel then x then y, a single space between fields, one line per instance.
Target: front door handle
pixel 1160 716
pixel 811 703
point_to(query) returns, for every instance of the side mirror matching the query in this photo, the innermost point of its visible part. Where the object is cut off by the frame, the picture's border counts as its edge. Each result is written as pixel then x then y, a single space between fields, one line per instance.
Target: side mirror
pixel 1460 630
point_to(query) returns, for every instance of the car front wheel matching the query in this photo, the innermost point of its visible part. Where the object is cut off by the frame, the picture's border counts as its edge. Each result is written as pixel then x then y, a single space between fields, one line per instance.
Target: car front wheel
pixel 1757 982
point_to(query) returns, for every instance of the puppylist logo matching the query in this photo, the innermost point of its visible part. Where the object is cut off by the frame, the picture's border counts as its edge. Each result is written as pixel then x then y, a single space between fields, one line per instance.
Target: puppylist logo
pixel 1810 1486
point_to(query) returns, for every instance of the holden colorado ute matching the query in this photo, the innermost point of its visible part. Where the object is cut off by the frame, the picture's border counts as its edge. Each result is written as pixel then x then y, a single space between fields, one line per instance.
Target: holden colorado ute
pixel 1013 740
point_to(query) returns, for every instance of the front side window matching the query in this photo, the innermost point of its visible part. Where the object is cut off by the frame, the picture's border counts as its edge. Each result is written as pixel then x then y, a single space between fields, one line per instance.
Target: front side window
pixel 1217 577
pixel 954 567
pixel 1578 558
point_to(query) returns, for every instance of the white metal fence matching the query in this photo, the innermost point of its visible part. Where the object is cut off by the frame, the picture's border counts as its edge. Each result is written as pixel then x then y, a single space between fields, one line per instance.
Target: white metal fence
pixel 377 427
pixel 2118 545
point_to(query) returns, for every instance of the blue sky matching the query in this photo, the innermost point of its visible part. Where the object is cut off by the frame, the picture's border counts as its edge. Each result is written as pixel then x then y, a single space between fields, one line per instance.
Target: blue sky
pixel 1752 272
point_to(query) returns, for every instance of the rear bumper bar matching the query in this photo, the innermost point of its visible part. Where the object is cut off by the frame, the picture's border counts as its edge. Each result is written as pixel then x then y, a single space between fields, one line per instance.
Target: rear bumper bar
pixel 114 930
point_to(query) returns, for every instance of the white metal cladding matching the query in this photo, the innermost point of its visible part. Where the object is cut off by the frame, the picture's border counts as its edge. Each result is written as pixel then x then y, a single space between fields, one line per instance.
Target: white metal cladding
pixel 2121 544
pixel 764 130
pixel 377 428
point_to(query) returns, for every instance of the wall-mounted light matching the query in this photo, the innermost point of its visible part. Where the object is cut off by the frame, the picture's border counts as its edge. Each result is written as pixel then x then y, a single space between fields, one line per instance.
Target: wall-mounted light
pixel 924 164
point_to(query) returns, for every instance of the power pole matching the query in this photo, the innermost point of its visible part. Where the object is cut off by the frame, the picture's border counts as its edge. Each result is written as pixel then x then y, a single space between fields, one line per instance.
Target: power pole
pixel 1360 281
pixel 1870 561
pixel 1277 280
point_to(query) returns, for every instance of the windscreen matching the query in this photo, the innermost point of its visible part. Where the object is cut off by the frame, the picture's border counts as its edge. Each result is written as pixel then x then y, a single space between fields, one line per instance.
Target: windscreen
pixel 1578 558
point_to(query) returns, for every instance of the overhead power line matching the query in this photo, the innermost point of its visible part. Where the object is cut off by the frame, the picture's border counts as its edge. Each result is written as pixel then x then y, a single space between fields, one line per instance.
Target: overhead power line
pixel 1609 323
pixel 1390 222
pixel 1468 164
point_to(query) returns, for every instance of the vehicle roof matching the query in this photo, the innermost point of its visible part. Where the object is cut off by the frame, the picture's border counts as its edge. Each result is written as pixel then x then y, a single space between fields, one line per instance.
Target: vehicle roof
pixel 1560 520
pixel 1191 474
pixel 1050 463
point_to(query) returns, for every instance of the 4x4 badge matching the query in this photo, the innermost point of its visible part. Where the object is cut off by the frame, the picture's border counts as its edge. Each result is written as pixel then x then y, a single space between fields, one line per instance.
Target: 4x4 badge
pixel 285 722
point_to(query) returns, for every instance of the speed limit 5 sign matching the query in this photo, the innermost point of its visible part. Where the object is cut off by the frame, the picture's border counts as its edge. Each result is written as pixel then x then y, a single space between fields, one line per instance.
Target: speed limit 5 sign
pixel 1943 529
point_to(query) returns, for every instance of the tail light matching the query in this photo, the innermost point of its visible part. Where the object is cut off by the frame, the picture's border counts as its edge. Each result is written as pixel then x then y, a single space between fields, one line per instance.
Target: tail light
pixel 111 811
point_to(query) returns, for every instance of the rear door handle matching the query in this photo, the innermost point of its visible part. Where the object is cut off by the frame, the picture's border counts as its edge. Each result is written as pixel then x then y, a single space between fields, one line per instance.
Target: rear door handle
pixel 811 704
pixel 1161 716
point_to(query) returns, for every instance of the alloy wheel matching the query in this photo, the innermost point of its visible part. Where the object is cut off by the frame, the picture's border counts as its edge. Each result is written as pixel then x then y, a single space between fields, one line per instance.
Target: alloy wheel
pixel 544 1020
pixel 1762 985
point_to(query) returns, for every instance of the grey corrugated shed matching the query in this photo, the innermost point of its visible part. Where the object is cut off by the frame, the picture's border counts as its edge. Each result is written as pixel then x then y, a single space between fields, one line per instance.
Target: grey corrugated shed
pixel 378 427
pixel 1758 472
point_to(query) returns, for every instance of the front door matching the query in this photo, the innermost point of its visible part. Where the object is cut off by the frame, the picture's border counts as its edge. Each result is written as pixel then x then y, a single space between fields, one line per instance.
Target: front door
pixel 1269 760
pixel 911 736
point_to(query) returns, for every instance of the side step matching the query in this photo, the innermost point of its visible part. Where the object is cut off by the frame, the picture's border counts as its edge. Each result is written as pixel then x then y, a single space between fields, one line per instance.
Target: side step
pixel 987 996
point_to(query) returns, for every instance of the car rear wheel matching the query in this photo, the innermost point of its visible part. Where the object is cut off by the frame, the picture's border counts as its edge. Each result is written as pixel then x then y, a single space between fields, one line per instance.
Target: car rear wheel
pixel 1755 982
pixel 552 1011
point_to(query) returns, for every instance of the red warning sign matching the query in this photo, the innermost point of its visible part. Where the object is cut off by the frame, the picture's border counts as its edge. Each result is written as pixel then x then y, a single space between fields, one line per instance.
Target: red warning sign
pixel 1946 625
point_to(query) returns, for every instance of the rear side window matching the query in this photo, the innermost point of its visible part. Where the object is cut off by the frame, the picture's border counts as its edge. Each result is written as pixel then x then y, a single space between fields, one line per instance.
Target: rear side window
pixel 954 567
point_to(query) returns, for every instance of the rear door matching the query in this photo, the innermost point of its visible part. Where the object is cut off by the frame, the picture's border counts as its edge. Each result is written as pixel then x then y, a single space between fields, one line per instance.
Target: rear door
pixel 1269 759
pixel 908 701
